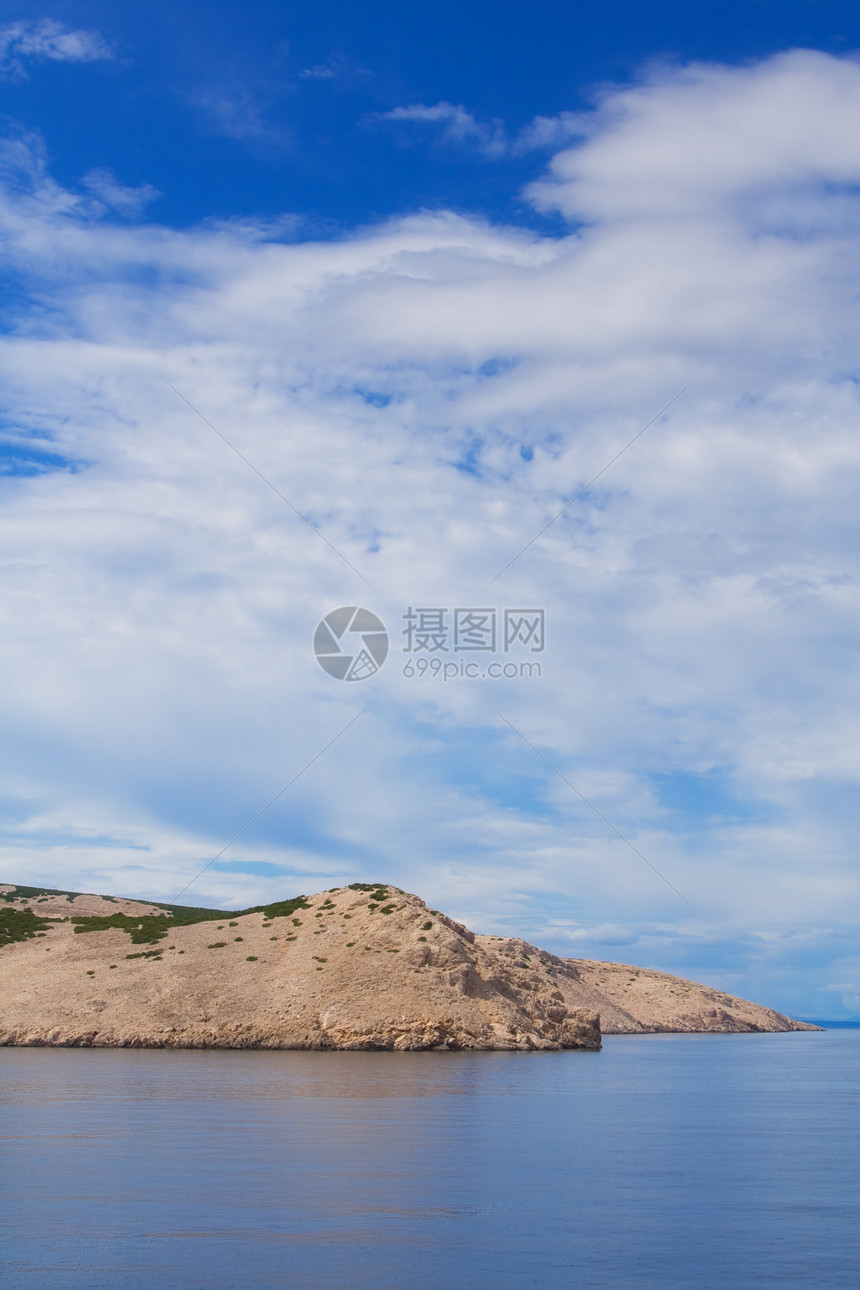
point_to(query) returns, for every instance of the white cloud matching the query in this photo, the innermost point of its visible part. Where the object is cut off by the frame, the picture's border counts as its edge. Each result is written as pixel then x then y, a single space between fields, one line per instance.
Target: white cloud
pixel 458 126
pixel 429 392
pixel 703 136
pixel 47 39
pixel 116 196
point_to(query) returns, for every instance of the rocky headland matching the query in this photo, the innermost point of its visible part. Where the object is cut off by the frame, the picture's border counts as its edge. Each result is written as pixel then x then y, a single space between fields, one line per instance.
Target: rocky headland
pixel 361 967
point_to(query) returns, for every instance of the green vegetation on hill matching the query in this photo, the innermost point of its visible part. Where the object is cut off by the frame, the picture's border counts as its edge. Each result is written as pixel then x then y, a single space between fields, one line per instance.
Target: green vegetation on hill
pixel 19 925
pixel 147 929
pixel 31 893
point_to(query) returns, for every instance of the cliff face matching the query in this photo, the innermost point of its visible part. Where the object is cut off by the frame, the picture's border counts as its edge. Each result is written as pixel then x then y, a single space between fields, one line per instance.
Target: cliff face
pixel 353 968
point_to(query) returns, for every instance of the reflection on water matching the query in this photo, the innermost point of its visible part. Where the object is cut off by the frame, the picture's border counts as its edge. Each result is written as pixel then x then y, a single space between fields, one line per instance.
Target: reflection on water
pixel 664 1162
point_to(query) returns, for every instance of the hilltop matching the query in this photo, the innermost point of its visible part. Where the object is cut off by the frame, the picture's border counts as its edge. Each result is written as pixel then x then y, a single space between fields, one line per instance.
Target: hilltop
pixel 364 966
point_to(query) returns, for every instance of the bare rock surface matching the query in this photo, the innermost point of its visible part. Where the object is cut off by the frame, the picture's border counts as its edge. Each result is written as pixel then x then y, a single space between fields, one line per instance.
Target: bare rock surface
pixel 346 972
pixel 632 1000
pixel 352 969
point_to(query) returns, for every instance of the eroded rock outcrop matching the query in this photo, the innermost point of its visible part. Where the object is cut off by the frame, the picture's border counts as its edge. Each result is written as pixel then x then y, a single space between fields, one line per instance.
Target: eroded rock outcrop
pixel 349 969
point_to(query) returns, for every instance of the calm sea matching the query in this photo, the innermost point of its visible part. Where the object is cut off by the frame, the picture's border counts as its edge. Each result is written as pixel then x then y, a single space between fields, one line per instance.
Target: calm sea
pixel 720 1162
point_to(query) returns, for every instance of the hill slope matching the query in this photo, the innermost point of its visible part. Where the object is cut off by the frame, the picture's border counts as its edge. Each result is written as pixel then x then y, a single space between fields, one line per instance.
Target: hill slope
pixel 365 966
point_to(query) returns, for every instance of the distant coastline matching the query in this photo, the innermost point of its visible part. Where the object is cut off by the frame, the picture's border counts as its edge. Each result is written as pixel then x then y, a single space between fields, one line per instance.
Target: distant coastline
pixel 851 1023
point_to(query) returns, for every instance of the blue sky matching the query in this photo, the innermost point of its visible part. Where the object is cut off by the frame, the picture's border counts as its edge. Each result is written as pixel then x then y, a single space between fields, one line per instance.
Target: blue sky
pixel 234 109
pixel 430 271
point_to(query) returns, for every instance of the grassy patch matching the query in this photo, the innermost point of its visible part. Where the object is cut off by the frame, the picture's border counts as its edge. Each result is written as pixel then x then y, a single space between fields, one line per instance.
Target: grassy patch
pixel 422 938
pixel 387 909
pixel 252 958
pixel 425 927
pixel 216 945
pixel 145 954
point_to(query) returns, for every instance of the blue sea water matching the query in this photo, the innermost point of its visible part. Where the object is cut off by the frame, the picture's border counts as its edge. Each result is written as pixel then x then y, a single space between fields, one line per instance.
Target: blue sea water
pixel 662 1163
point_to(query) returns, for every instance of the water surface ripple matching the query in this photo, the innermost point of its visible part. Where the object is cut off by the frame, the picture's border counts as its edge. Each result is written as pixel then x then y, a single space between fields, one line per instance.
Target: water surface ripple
pixel 669 1162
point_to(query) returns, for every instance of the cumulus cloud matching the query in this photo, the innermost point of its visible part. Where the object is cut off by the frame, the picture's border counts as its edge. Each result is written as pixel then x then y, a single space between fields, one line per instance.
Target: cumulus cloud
pixel 35 41
pixel 685 141
pixel 428 392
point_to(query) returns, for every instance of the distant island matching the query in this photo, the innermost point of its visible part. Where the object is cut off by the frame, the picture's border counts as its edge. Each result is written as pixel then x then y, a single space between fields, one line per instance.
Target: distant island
pixel 366 966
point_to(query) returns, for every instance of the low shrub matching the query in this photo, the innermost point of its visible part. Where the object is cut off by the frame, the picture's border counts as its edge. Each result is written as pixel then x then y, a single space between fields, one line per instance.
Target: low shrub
pixel 20 925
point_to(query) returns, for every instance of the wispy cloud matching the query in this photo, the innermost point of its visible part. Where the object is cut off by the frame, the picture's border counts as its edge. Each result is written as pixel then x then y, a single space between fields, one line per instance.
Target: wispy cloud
pixel 460 128
pixel 21 42
pixel 115 196
pixel 237 110
pixel 332 68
